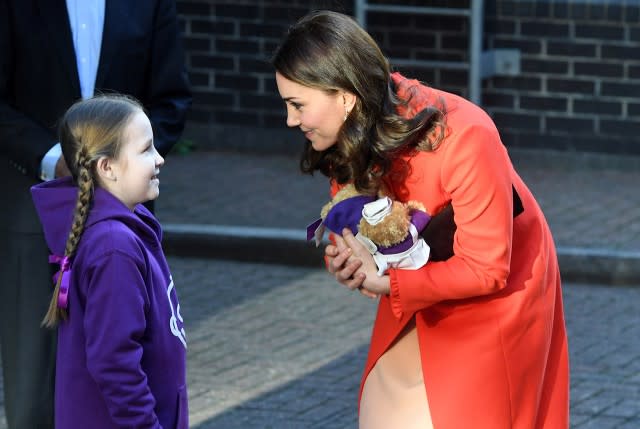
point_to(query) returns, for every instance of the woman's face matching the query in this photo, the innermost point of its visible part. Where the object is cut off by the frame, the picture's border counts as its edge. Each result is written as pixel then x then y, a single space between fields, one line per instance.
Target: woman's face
pixel 318 115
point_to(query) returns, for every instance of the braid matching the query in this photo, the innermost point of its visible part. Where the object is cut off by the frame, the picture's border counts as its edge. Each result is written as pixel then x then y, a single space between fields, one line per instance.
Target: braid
pixel 85 192
pixel 89 130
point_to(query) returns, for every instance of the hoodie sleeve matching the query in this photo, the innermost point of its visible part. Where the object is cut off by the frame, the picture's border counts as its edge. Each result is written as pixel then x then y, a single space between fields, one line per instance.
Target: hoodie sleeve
pixel 115 324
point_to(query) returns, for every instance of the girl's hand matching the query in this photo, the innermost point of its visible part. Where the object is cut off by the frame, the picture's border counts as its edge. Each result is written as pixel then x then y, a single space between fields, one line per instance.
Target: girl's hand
pixel 373 283
pixel 343 266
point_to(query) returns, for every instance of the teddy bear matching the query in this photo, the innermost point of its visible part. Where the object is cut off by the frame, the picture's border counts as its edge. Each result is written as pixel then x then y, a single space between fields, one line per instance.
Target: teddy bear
pixel 389 229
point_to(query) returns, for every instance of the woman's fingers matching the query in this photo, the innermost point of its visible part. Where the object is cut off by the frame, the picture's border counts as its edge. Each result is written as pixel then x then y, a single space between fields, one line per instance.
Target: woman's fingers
pixel 337 263
pixel 341 264
pixel 347 276
pixel 367 293
pixel 341 245
pixel 350 241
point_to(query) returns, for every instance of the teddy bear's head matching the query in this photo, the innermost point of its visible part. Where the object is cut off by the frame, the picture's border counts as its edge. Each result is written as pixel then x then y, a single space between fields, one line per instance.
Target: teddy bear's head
pixel 388 229
pixel 385 222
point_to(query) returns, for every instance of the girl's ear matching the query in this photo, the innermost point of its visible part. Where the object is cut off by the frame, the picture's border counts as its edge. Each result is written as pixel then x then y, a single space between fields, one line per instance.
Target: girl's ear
pixel 105 169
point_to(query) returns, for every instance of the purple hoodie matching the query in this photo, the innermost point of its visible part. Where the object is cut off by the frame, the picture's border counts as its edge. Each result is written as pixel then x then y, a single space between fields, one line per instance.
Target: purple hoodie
pixel 121 359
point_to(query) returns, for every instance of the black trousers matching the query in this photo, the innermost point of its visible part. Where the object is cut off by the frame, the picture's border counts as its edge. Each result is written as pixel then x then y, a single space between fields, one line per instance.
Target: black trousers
pixel 28 351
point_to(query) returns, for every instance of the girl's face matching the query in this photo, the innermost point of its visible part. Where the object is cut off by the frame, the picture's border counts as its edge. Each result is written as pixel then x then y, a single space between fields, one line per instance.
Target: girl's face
pixel 137 167
pixel 318 115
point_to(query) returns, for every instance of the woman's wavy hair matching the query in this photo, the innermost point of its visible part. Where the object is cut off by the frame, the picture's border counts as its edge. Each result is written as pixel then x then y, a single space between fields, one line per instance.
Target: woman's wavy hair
pixel 331 52
pixel 89 130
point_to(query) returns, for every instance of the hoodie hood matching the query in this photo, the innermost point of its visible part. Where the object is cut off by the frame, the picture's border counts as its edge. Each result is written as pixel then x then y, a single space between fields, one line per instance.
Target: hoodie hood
pixel 55 202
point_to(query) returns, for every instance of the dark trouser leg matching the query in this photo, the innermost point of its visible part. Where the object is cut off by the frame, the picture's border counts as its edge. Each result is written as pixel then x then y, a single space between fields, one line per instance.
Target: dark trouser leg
pixel 28 351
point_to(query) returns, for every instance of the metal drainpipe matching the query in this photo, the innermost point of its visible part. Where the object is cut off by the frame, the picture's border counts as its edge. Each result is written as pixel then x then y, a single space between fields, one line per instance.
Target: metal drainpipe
pixel 361 13
pixel 475 41
pixel 475 50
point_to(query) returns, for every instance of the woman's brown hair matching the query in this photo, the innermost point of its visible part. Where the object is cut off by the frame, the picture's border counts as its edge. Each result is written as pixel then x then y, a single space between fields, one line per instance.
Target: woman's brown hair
pixel 331 52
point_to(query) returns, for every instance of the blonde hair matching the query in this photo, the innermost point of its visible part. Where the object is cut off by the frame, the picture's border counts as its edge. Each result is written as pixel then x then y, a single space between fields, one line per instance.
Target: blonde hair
pixel 89 130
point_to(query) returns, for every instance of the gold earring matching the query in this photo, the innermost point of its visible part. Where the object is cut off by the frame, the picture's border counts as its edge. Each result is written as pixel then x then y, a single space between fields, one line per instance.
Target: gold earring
pixel 346 111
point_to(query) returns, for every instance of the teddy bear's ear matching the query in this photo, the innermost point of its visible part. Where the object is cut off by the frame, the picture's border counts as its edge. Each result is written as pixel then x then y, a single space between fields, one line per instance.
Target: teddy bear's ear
pixel 325 209
pixel 383 191
pixel 416 205
pixel 349 191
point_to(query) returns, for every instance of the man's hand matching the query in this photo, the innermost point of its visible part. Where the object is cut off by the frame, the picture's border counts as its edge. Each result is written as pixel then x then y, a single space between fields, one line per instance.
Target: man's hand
pixel 61 168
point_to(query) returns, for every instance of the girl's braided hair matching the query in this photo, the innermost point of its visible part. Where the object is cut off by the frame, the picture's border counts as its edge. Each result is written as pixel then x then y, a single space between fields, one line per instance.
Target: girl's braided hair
pixel 89 130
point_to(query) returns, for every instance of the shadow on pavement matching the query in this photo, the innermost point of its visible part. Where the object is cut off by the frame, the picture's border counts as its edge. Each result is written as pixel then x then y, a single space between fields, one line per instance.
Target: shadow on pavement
pixel 325 398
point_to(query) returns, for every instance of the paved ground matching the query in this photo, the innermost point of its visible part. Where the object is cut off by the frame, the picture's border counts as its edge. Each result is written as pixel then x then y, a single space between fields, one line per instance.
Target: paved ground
pixel 282 346
pixel 274 346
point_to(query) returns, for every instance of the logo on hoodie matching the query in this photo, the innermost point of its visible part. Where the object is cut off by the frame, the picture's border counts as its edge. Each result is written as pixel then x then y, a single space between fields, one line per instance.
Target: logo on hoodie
pixel 176 324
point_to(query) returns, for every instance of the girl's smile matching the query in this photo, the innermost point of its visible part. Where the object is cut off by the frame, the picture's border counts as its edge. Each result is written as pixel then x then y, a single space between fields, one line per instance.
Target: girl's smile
pixel 138 165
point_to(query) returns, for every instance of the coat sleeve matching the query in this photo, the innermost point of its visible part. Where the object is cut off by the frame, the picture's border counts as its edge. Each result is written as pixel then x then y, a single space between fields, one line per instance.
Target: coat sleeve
pixel 476 174
pixel 168 96
pixel 114 325
pixel 22 140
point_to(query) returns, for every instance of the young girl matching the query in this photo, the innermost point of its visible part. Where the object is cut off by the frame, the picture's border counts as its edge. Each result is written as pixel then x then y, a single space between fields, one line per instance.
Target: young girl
pixel 121 358
pixel 477 340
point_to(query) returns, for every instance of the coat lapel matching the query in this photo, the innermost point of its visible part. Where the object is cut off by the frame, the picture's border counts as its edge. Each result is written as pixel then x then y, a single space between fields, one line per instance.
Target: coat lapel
pixel 54 17
pixel 114 12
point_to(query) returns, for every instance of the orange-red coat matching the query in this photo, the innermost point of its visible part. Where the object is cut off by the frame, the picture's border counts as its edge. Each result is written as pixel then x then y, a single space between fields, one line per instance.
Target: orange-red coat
pixel 490 319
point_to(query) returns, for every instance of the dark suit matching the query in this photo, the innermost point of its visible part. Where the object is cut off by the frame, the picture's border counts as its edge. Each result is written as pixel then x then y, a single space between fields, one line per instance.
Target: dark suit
pixel 141 55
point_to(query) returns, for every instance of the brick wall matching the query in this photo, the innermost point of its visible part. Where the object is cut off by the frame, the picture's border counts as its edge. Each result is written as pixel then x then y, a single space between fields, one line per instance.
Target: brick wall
pixel 578 89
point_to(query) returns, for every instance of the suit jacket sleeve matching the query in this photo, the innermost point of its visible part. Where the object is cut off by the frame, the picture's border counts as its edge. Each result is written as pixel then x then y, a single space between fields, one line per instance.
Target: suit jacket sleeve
pixel 22 140
pixel 169 97
pixel 476 173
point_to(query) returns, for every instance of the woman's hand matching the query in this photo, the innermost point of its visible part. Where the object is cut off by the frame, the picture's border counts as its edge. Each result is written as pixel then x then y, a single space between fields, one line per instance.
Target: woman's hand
pixel 344 267
pixel 373 283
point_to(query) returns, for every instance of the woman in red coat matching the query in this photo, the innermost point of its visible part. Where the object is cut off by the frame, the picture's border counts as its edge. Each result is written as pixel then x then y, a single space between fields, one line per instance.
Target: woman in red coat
pixel 476 340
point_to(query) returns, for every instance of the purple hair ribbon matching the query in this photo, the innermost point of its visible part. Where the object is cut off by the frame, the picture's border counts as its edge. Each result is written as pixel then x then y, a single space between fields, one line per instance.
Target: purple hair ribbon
pixel 65 263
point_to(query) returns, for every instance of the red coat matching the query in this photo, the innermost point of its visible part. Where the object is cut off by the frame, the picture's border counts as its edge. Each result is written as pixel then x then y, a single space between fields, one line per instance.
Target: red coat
pixel 490 319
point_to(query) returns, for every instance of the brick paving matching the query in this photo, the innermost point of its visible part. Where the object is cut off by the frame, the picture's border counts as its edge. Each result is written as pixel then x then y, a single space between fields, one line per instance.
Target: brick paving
pixel 275 346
